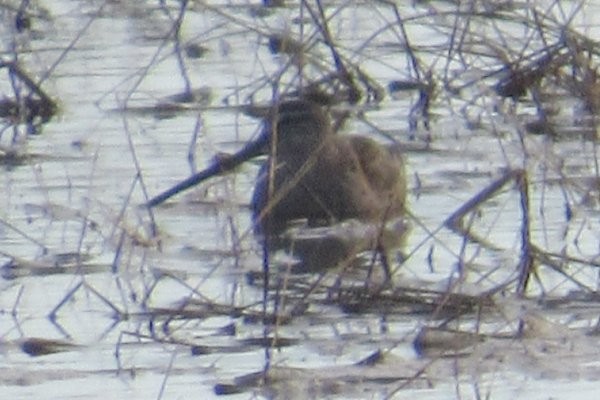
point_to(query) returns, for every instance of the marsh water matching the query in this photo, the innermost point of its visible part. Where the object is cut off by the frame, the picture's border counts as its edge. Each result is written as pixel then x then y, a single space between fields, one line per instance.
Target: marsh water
pixel 100 297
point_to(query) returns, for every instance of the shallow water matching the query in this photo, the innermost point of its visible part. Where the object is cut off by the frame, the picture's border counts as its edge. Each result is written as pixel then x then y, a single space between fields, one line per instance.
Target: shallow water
pixel 172 315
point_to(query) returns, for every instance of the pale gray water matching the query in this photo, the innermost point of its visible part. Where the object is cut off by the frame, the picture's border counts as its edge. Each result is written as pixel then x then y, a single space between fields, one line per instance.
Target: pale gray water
pixel 77 192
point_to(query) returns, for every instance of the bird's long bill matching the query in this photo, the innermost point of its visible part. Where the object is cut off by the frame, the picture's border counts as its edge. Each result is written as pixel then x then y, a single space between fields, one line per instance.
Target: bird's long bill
pixel 219 166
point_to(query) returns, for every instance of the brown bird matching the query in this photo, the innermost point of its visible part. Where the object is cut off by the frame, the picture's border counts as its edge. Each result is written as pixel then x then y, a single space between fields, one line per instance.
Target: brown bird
pixel 322 176
pixel 316 174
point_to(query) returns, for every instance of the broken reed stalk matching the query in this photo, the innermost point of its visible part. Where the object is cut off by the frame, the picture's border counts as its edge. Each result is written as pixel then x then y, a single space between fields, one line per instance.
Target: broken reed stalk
pixel 346 77
pixel 167 374
pixel 527 256
pixel 139 178
pixel 16 70
pixel 454 221
pixel 267 222
pixel 28 108
pixel 526 264
pixel 176 31
pixel 118 315
pixel 426 88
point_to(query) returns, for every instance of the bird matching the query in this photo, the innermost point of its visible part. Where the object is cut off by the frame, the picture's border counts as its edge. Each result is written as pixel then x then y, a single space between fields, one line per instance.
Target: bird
pixel 313 173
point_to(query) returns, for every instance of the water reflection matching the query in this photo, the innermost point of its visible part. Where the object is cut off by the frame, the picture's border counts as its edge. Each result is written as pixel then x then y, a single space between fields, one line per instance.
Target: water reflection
pixel 317 249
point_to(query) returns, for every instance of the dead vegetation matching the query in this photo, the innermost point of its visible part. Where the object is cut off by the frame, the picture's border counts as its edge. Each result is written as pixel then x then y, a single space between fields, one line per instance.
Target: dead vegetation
pixel 527 65
pixel 480 62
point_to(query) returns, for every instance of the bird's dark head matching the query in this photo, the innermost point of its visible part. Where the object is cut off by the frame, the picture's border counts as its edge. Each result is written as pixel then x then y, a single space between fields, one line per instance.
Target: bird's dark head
pixel 297 126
